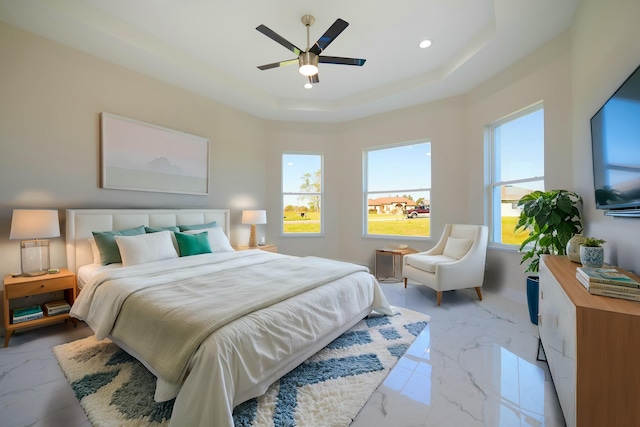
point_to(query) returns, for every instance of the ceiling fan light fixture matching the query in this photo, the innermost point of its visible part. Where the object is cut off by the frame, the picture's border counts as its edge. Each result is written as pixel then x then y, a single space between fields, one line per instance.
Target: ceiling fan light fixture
pixel 308 64
pixel 308 85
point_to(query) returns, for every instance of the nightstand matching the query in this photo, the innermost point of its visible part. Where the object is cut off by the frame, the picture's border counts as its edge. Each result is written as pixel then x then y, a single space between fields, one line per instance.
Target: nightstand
pixel 19 287
pixel 268 248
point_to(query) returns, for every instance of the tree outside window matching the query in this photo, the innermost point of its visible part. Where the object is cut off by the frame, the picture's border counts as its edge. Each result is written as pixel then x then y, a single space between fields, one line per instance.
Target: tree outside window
pixel 302 190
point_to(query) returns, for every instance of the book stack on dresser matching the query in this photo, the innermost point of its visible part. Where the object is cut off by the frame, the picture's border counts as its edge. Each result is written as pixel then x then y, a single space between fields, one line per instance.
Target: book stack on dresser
pixel 608 282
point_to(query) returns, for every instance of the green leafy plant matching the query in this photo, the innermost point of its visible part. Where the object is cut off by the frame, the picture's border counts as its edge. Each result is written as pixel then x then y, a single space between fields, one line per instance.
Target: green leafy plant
pixel 592 242
pixel 552 218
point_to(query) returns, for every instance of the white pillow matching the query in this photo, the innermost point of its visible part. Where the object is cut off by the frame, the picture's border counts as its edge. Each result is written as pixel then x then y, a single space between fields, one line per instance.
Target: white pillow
pixel 457 248
pixel 144 248
pixel 217 239
pixel 95 250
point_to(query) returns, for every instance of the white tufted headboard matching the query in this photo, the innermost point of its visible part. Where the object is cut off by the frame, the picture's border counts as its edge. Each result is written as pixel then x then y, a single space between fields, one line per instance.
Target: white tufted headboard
pixel 81 222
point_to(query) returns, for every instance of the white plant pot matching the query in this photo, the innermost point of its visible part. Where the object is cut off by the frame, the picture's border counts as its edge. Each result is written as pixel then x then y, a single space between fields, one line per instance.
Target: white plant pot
pixel 573 247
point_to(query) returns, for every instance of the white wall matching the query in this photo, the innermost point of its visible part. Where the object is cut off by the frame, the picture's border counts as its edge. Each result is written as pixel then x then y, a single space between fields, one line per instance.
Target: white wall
pixel 305 138
pixel 49 137
pixel 605 51
pixel 541 76
pixel 440 122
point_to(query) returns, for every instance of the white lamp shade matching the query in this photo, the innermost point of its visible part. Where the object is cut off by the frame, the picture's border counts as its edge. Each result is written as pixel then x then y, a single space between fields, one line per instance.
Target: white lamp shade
pixel 34 224
pixel 254 217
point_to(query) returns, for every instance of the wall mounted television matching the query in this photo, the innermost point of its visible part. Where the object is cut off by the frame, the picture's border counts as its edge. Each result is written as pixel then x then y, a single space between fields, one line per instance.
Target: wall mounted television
pixel 615 142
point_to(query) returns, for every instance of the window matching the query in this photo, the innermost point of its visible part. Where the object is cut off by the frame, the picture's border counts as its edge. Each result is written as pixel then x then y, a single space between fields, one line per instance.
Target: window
pixel 302 194
pixel 397 190
pixel 516 164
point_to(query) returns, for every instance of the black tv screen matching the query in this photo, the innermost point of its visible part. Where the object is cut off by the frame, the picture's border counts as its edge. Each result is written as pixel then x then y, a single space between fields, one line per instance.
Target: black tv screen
pixel 615 140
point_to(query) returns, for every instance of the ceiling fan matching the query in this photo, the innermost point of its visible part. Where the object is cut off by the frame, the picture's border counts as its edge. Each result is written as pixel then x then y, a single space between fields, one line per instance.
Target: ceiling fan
pixel 308 60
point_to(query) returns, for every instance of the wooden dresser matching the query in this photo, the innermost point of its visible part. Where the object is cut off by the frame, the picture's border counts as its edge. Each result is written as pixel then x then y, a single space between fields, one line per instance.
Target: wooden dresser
pixel 592 344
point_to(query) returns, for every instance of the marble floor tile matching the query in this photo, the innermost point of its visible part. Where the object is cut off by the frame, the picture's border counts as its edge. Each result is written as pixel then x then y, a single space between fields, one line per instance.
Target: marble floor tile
pixel 474 365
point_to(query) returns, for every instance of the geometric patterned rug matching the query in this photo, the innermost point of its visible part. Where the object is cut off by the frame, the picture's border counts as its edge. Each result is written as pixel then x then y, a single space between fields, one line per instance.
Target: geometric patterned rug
pixel 328 389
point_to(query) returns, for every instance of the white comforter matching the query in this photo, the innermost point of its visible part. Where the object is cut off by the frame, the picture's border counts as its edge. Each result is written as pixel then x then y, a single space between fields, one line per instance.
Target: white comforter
pixel 237 361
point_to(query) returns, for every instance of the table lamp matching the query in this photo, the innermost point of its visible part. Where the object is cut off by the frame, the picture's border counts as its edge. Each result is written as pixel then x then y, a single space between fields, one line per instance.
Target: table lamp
pixel 254 217
pixel 30 225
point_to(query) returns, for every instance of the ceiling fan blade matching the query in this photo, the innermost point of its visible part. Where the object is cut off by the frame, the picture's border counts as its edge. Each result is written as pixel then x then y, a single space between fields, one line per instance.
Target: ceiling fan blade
pixel 279 39
pixel 342 61
pixel 314 78
pixel 278 64
pixel 330 35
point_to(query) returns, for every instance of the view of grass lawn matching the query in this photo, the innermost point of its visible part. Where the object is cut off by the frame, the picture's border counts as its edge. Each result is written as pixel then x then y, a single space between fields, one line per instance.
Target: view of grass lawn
pixel 509 236
pixel 295 222
pixel 394 225
pixel 398 225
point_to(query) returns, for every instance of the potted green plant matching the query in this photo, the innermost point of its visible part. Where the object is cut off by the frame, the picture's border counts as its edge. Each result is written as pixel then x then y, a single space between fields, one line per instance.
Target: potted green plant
pixel 592 252
pixel 551 218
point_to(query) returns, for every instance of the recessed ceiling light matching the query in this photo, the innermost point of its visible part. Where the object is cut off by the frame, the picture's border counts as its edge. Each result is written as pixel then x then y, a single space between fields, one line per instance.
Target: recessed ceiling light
pixel 308 85
pixel 425 44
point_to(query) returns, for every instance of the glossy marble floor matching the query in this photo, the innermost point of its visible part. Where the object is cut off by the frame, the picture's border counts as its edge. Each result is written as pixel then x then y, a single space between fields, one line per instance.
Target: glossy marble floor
pixel 474 365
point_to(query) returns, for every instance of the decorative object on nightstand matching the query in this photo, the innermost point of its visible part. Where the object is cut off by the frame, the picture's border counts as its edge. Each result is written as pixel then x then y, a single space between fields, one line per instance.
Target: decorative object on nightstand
pixel 30 225
pixel 592 252
pixel 254 217
pixel 22 286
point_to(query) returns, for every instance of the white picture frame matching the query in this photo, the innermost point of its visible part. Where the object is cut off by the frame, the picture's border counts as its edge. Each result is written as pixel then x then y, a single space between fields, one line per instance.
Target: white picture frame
pixel 141 156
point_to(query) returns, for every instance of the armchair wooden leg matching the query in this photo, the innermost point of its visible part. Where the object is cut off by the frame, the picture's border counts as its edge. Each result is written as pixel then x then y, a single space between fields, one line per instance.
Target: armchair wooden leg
pixel 405 283
pixel 439 298
pixel 479 293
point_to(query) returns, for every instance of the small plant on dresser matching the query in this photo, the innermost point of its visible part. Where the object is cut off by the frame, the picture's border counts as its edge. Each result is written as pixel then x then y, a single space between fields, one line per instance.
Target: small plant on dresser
pixel 592 252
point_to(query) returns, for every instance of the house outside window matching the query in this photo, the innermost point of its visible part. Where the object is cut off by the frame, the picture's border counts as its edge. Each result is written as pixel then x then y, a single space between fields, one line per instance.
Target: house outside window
pixel 516 164
pixel 397 190
pixel 302 192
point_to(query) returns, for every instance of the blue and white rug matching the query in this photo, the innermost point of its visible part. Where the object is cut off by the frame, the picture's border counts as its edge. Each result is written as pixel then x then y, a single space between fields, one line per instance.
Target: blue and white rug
pixel 328 389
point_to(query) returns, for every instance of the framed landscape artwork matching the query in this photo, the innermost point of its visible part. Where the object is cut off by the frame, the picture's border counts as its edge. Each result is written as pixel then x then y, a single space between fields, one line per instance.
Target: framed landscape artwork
pixel 145 157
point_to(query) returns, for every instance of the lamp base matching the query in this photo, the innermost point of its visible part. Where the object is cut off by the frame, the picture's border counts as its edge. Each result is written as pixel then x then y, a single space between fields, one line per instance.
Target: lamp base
pixel 34 257
pixel 252 237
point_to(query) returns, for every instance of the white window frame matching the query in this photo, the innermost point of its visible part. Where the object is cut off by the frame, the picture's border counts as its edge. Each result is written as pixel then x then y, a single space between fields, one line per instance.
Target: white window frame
pixel 366 192
pixel 302 194
pixel 493 205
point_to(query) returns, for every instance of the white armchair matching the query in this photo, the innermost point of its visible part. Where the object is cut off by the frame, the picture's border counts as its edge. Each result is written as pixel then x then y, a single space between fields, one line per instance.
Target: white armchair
pixel 456 262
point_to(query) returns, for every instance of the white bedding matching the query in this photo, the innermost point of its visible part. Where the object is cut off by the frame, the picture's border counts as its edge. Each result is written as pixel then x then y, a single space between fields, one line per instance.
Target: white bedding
pixel 89 271
pixel 239 360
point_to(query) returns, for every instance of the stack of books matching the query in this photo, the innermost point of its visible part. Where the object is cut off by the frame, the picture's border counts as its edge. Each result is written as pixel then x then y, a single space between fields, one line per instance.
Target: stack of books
pixel 27 313
pixel 57 307
pixel 608 282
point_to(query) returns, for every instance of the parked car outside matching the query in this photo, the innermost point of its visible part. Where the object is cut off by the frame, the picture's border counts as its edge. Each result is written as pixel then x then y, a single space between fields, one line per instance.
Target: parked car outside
pixel 421 211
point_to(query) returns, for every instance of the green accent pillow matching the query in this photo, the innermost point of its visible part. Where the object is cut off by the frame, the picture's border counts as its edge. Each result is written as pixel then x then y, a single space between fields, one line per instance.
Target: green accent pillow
pixel 193 244
pixel 157 230
pixel 198 226
pixel 107 246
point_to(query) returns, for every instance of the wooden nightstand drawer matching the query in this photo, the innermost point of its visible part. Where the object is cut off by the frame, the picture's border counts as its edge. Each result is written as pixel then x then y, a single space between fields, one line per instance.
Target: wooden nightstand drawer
pixel 38 287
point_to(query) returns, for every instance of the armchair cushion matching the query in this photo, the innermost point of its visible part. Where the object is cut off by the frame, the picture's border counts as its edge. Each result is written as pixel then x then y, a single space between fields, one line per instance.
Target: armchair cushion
pixel 457 248
pixel 427 262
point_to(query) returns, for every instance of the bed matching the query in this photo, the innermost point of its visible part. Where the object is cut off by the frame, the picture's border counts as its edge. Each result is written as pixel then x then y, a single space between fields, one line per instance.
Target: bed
pixel 215 329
